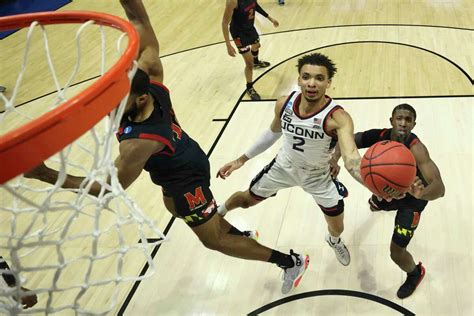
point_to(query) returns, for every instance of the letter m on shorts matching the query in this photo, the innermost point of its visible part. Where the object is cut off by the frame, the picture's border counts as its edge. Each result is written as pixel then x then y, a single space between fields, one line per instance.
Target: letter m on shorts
pixel 195 199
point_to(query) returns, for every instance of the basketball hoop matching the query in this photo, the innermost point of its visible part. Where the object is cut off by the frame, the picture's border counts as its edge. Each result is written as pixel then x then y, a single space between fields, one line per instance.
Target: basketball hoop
pixel 42 225
pixel 54 130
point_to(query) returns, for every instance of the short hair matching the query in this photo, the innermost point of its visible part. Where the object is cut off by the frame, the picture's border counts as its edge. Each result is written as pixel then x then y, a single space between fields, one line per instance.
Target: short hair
pixel 318 59
pixel 405 106
pixel 140 83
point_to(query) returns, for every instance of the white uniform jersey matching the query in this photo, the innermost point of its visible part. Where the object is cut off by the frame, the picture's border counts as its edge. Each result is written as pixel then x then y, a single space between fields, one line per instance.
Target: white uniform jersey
pixel 306 142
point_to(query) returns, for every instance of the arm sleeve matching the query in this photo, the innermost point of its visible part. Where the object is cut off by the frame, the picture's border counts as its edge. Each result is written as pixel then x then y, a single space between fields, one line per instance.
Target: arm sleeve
pixel 260 10
pixel 265 141
pixel 367 138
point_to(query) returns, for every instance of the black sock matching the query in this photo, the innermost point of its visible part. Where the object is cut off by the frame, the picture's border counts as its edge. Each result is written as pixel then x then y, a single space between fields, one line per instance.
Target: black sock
pixel 235 231
pixel 255 57
pixel 249 85
pixel 282 260
pixel 415 271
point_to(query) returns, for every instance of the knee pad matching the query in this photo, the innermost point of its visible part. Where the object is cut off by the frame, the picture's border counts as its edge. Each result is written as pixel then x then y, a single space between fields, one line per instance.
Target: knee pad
pixel 335 210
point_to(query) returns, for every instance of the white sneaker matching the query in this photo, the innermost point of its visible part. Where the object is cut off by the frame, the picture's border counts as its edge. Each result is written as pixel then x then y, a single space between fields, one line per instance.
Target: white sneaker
pixel 292 276
pixel 252 234
pixel 342 254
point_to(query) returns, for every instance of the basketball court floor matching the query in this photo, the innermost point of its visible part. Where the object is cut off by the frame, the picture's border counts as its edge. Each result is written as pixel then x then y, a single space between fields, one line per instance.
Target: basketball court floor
pixel 387 52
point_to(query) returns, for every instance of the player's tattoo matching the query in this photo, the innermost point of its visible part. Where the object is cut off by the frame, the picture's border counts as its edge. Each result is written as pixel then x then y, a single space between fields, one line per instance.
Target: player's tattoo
pixel 353 166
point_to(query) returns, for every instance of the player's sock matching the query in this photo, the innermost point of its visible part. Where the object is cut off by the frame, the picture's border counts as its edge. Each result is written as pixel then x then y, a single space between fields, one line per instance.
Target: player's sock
pixel 249 85
pixel 255 57
pixel 333 239
pixel 222 210
pixel 282 260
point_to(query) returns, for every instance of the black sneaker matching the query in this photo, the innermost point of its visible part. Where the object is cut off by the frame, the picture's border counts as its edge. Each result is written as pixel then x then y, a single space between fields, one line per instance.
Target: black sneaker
pixel 281 2
pixel 2 89
pixel 412 282
pixel 253 94
pixel 373 206
pixel 261 64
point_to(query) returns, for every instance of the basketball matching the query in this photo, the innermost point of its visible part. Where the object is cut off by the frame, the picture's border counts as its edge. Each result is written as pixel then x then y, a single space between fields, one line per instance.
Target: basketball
pixel 387 167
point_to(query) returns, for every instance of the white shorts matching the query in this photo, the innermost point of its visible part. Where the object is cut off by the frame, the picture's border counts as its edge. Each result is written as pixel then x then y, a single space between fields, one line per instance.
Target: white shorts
pixel 277 175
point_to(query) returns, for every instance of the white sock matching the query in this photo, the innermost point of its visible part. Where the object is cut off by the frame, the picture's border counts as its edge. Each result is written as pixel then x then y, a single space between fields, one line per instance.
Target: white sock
pixel 222 210
pixel 333 239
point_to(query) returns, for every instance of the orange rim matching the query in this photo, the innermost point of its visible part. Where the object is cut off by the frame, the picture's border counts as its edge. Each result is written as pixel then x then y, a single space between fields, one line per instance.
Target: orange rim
pixel 27 146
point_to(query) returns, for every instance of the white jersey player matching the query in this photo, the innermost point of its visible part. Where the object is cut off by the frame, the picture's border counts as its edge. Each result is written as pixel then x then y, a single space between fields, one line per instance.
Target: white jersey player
pixel 311 124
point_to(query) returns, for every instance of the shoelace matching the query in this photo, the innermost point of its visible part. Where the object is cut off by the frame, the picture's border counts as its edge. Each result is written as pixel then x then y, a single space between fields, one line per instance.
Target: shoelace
pixel 339 247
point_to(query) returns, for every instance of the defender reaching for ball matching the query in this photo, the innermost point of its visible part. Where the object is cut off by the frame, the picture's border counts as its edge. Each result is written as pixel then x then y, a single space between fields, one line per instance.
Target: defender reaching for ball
pixel 428 186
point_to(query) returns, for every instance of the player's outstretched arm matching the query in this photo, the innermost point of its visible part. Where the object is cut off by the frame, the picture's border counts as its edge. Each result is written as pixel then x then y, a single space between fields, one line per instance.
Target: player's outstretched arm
pixel 149 56
pixel 435 188
pixel 265 141
pixel 260 10
pixel 345 133
pixel 134 153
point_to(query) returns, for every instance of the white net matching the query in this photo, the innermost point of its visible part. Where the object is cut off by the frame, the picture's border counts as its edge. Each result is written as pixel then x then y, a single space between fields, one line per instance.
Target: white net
pixel 70 248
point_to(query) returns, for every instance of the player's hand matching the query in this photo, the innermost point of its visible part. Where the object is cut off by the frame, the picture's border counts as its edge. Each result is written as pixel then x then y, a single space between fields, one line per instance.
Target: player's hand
pixel 27 300
pixel 231 50
pixel 275 22
pixel 417 189
pixel 334 168
pixel 228 168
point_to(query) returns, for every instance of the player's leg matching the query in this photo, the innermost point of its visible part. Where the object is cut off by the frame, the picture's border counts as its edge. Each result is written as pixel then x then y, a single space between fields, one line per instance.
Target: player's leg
pixel 406 223
pixel 272 178
pixel 213 235
pixel 243 46
pixel 197 208
pixel 328 193
pixel 248 59
pixel 243 199
pixel 335 219
pixel 255 47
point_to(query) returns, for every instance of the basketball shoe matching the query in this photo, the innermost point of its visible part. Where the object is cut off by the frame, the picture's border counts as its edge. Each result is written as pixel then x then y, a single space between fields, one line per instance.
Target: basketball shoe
pixel 342 254
pixel 413 280
pixel 374 204
pixel 261 64
pixel 292 276
pixel 253 94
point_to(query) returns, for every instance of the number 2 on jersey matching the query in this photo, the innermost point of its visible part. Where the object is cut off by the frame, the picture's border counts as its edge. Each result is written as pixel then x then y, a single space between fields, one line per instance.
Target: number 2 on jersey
pixel 251 15
pixel 298 144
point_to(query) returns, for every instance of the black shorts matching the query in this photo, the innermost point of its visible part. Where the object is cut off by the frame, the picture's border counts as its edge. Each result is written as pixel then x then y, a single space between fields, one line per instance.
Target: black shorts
pixel 407 219
pixel 195 204
pixel 244 38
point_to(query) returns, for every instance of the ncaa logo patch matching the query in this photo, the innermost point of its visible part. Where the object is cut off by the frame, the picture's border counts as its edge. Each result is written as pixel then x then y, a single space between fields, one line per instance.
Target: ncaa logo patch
pixel 127 130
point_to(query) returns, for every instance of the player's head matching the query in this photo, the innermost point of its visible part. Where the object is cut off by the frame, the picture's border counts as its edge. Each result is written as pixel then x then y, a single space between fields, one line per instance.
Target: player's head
pixel 317 59
pixel 138 91
pixel 315 74
pixel 403 120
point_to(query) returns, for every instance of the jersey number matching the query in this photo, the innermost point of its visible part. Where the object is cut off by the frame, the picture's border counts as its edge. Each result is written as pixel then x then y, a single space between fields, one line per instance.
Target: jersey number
pixel 299 142
pixel 251 14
